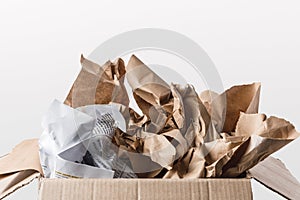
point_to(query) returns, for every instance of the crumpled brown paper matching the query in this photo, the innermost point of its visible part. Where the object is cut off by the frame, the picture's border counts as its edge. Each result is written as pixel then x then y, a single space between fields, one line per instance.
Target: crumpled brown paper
pixel 148 88
pixel 272 134
pixel 97 84
pixel 246 130
pixel 182 134
pixel 225 108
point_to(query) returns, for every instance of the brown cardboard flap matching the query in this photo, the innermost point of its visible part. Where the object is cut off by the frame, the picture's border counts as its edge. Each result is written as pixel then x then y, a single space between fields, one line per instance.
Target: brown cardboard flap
pixel 11 182
pixel 145 189
pixel 19 167
pixel 273 174
pixel 24 156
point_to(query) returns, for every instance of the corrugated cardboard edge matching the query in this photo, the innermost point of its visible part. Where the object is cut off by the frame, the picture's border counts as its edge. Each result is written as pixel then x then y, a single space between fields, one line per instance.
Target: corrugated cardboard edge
pixel 145 189
pixel 273 174
pixel 18 180
pixel 19 167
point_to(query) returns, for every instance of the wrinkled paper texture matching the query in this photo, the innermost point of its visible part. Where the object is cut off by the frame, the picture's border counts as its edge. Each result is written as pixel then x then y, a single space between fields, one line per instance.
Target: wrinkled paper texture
pixel 181 133
pixel 76 143
pixel 97 84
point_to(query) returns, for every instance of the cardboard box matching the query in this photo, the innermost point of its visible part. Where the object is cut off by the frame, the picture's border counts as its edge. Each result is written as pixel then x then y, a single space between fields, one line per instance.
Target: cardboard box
pixel 145 189
pixel 271 172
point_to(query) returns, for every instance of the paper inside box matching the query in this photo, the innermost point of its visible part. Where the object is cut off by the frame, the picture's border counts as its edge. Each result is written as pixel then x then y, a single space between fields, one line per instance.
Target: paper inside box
pixel 175 122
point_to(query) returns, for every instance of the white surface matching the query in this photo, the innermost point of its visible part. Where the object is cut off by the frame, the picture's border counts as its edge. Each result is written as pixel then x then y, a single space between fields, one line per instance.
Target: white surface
pixel 41 43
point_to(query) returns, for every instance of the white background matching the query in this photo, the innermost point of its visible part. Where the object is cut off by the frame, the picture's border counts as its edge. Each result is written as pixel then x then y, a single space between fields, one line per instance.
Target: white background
pixel 41 42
